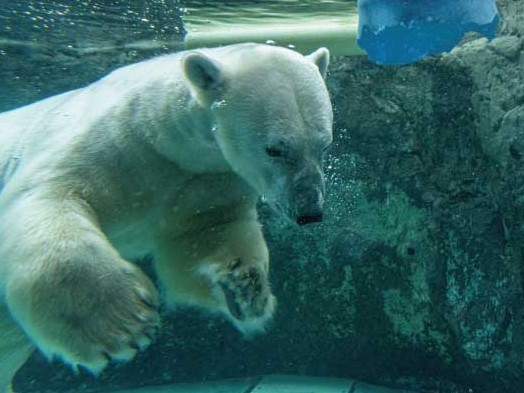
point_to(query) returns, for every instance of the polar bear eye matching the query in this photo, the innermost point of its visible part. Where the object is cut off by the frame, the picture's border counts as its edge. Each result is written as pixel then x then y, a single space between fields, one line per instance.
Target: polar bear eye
pixel 272 151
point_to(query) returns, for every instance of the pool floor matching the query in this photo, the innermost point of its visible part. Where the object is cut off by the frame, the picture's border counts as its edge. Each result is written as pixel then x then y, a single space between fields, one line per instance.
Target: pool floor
pixel 272 384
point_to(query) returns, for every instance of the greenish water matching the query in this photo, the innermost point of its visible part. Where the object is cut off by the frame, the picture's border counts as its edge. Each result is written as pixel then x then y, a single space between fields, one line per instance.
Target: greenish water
pixel 302 25
pixel 201 14
pixel 413 280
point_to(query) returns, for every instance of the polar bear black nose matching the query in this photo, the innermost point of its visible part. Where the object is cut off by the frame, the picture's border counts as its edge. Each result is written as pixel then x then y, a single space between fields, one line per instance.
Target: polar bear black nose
pixel 303 220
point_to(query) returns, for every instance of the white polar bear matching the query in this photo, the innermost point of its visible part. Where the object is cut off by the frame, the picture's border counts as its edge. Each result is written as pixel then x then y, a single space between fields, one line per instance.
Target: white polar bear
pixel 166 157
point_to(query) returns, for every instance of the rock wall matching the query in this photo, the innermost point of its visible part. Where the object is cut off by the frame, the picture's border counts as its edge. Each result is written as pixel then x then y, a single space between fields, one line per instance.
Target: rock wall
pixel 512 12
pixel 425 225
pixel 436 167
pixel 425 228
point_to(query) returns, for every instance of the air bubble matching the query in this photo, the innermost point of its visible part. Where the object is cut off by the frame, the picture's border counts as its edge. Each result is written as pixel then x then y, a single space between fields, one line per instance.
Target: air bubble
pixel 218 104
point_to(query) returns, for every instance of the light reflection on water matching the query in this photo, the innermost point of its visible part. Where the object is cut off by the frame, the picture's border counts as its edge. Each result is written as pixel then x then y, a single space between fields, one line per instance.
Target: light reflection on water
pixel 303 25
pixel 76 25
pixel 203 14
pixel 47 47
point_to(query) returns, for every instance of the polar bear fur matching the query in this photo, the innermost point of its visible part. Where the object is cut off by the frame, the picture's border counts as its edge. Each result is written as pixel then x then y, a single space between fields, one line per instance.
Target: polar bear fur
pixel 167 158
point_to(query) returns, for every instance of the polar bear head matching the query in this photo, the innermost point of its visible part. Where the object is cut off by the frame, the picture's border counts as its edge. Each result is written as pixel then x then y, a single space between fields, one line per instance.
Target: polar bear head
pixel 272 120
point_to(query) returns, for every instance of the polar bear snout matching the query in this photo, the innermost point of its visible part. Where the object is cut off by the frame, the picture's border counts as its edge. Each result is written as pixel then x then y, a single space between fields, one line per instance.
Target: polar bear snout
pixel 303 220
pixel 308 204
pixel 307 198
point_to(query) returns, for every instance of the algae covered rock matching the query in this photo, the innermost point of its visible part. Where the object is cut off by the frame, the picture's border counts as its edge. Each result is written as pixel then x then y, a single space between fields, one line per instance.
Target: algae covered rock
pixel 424 228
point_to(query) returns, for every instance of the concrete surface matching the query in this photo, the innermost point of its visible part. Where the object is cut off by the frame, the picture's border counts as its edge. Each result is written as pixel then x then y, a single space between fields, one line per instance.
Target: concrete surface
pixel 272 384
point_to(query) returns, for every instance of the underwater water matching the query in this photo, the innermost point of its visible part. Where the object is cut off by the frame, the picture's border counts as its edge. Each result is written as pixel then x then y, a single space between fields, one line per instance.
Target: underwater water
pixel 200 14
pixel 414 279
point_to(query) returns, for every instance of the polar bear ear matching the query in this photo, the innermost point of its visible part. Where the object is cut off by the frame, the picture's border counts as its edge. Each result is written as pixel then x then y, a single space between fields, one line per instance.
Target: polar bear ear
pixel 203 73
pixel 321 58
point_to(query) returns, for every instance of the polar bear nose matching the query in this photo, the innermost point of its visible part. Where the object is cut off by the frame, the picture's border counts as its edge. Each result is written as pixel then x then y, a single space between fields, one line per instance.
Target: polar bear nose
pixel 308 206
pixel 303 220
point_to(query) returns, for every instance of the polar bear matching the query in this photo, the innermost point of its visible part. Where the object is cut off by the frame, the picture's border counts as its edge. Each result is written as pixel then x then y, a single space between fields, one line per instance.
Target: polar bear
pixel 165 157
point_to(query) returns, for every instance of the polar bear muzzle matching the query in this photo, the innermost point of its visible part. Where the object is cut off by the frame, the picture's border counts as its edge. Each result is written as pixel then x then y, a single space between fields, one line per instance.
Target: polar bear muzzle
pixel 302 220
pixel 307 196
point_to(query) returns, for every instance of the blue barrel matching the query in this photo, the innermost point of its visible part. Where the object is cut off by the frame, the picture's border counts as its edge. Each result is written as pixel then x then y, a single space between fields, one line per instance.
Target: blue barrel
pixel 399 32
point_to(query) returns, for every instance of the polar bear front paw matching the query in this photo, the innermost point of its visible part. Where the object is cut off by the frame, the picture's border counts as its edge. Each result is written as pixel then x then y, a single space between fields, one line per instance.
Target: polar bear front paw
pixel 248 295
pixel 90 318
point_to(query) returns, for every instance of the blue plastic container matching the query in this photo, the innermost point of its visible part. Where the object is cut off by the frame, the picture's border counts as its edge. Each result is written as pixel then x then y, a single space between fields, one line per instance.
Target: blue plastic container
pixel 403 31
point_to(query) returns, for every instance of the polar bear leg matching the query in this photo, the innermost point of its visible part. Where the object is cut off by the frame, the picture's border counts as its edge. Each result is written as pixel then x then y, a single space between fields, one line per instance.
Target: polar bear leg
pixel 223 267
pixel 15 348
pixel 67 288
